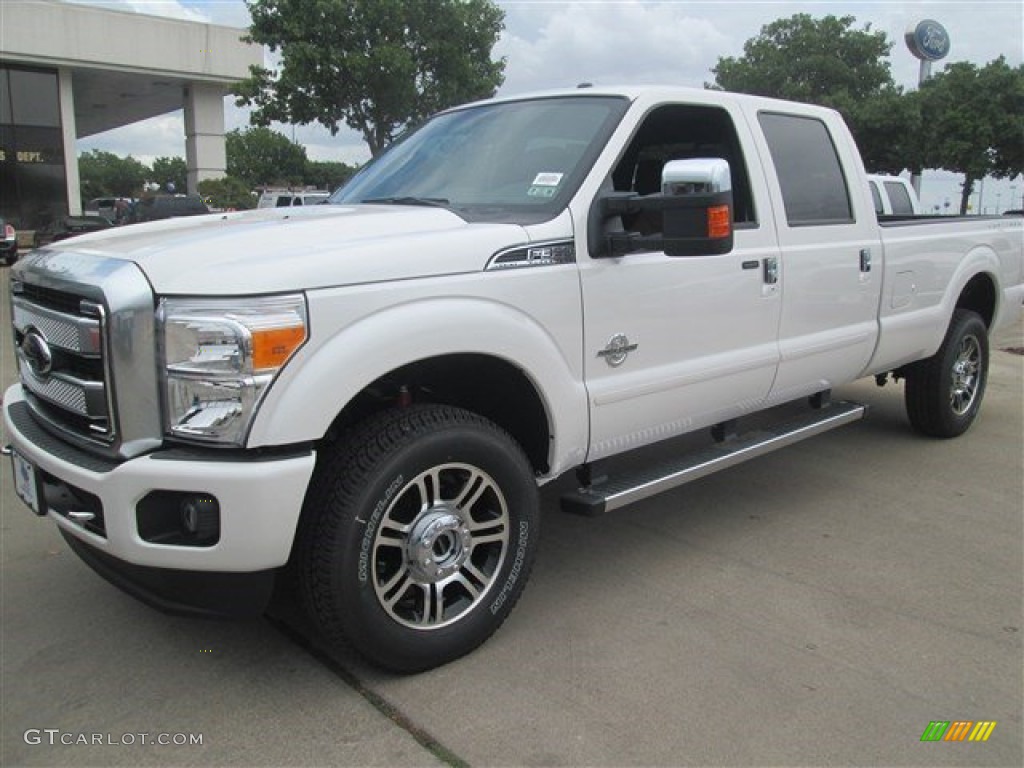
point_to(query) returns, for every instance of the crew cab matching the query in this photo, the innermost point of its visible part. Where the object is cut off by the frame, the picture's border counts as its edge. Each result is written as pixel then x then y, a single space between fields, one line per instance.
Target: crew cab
pixel 360 400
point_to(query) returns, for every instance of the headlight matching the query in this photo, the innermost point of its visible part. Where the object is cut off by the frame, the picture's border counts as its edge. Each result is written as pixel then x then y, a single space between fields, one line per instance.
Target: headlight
pixel 219 357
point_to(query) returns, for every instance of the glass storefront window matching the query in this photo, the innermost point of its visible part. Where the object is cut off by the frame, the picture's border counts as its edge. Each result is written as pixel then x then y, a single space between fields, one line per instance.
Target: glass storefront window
pixel 34 98
pixel 33 187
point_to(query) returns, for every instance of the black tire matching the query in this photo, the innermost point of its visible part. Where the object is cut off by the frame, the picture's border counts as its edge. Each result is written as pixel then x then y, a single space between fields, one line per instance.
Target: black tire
pixel 943 393
pixel 418 536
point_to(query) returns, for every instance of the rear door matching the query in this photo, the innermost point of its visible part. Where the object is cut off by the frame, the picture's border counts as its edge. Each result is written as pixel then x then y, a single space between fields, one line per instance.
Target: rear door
pixel 831 269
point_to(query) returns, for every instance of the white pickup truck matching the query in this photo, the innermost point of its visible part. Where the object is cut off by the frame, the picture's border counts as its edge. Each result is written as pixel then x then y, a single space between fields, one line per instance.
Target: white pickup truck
pixel 365 396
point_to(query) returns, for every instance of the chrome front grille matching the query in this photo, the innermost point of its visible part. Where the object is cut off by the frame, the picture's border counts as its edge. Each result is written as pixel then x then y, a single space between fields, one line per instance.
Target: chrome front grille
pixel 59 345
pixel 85 339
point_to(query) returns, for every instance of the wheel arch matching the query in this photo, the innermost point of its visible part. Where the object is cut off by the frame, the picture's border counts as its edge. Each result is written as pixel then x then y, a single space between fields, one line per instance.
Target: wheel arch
pixel 481 383
pixel 979 295
pixel 439 350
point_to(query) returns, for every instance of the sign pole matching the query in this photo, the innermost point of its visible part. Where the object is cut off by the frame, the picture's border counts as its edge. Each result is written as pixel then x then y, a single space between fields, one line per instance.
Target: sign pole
pixel 928 41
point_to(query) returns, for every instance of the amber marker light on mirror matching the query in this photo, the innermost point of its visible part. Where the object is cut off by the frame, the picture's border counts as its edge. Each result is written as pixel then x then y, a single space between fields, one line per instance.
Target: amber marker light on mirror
pixel 719 222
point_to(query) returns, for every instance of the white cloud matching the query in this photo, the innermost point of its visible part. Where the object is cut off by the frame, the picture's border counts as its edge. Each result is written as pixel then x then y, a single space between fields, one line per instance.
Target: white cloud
pixel 621 42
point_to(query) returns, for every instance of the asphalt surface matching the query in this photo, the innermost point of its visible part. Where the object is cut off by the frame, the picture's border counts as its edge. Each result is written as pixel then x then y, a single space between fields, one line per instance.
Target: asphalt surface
pixel 817 606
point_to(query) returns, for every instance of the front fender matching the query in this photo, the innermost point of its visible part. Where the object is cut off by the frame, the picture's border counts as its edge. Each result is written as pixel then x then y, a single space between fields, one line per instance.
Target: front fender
pixel 346 353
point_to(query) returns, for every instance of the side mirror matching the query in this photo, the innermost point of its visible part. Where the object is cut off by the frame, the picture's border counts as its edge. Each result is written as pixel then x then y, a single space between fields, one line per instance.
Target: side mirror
pixel 703 226
pixel 695 205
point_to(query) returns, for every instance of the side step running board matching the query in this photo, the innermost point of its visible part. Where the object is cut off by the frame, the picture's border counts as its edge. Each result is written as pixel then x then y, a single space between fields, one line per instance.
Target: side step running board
pixel 618 492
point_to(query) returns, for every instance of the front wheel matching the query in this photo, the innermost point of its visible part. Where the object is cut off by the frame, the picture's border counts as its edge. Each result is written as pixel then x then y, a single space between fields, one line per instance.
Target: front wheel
pixel 419 535
pixel 943 393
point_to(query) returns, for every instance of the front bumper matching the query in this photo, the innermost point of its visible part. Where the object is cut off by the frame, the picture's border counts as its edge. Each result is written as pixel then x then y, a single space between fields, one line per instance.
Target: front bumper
pixel 259 497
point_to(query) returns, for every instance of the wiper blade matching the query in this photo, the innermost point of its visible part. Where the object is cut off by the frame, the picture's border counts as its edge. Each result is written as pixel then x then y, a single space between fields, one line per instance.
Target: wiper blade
pixel 432 202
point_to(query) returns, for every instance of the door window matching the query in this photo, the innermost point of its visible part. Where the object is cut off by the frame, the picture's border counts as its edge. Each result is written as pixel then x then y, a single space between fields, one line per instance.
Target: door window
pixel 811 177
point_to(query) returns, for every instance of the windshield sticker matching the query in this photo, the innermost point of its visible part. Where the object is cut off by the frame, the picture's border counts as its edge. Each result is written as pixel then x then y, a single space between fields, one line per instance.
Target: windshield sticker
pixel 541 192
pixel 548 179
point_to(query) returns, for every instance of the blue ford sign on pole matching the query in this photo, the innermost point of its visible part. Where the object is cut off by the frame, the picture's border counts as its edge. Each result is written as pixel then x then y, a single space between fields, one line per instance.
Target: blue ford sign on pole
pixel 928 41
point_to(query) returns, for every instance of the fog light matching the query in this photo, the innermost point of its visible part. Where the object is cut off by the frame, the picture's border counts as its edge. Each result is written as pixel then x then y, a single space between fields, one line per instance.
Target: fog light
pixel 200 517
pixel 179 518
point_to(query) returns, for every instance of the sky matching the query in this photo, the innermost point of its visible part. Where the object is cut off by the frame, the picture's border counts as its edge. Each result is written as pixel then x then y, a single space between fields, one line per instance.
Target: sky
pixel 558 43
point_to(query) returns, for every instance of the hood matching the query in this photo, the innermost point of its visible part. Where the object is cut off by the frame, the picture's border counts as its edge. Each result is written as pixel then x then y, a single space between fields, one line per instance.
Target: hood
pixel 286 249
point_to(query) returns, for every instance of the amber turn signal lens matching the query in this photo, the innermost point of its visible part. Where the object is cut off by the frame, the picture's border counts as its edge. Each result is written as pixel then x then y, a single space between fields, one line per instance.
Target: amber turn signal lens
pixel 719 222
pixel 272 347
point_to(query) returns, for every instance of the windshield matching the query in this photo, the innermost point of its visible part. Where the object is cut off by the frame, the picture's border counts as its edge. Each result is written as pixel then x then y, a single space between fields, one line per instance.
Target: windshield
pixel 516 161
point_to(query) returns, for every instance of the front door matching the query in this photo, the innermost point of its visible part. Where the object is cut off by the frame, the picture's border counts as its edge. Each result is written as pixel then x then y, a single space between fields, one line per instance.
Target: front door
pixel 673 344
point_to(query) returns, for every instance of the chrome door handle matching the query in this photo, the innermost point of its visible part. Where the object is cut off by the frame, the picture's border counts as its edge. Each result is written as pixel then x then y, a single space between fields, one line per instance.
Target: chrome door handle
pixel 865 259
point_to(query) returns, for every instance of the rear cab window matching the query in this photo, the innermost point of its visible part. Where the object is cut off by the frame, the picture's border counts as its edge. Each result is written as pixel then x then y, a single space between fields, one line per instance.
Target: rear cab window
pixel 814 188
pixel 899 199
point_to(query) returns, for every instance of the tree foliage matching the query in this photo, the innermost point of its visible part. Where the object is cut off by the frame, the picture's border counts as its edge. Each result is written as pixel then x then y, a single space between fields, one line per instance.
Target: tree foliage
pixel 374 65
pixel 818 61
pixel 261 157
pixel 104 174
pixel 828 61
pixel 973 121
pixel 170 170
pixel 228 193
pixel 327 174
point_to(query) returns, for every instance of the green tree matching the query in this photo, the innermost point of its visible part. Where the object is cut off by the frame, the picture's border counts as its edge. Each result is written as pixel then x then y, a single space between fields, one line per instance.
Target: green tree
pixel 374 65
pixel 974 121
pixel 227 192
pixel 327 175
pixel 260 157
pixel 104 174
pixel 829 62
pixel 170 170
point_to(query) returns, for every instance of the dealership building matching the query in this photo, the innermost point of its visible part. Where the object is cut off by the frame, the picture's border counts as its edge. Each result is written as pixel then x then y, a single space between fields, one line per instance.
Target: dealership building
pixel 71 71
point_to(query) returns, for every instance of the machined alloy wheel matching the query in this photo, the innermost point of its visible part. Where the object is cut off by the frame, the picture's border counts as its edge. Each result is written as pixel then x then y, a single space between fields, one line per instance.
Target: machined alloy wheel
pixel 440 546
pixel 966 376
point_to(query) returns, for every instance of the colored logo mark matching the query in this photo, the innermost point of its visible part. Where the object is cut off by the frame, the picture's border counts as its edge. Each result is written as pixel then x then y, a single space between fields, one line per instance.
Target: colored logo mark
pixel 958 730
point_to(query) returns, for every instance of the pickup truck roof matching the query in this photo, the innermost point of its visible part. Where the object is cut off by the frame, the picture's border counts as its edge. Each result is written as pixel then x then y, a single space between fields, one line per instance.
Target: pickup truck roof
pixel 655 93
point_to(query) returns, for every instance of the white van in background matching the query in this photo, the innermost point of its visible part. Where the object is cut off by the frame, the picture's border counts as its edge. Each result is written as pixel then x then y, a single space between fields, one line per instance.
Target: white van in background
pixel 285 198
pixel 893 196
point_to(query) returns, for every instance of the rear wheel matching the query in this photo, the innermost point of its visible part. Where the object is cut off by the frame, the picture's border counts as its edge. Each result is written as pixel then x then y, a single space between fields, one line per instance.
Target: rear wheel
pixel 943 393
pixel 419 534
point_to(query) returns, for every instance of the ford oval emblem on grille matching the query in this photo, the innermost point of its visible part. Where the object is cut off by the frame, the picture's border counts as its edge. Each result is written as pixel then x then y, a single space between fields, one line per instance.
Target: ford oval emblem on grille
pixel 37 353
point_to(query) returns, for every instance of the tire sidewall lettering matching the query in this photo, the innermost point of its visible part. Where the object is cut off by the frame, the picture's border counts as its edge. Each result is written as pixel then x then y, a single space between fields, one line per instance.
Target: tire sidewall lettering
pixel 516 570
pixel 372 523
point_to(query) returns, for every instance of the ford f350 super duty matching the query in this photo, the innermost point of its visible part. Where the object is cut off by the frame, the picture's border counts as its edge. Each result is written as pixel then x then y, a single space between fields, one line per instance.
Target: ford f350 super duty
pixel 365 396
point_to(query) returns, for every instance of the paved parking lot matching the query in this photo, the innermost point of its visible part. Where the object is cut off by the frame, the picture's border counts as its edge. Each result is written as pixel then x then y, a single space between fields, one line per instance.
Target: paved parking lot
pixel 820 605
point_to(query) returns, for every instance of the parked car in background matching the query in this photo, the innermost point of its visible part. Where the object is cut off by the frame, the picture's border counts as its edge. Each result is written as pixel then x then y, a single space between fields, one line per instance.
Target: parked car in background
pixel 9 244
pixel 68 226
pixel 893 196
pixel 287 198
pixel 107 207
pixel 167 207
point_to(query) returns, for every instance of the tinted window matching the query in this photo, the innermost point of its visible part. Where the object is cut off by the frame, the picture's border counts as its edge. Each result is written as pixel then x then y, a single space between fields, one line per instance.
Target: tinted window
pixel 899 198
pixel 813 186
pixel 677 132
pixel 876 198
pixel 34 98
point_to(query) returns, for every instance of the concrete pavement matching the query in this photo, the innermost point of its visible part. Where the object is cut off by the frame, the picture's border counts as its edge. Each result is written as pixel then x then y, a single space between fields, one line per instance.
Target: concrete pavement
pixel 820 605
